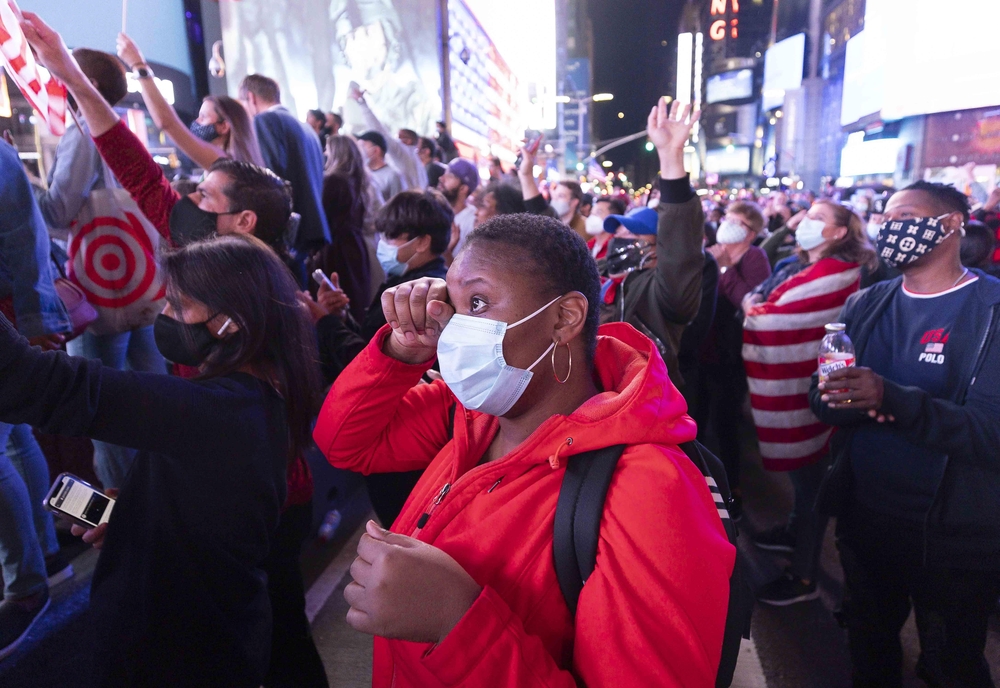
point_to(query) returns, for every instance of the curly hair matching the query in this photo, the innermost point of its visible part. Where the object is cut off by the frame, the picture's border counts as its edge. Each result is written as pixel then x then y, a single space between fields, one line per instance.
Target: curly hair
pixel 548 251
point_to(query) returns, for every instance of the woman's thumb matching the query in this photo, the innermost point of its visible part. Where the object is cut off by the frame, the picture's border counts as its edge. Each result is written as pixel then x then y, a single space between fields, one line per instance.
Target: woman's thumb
pixel 379 533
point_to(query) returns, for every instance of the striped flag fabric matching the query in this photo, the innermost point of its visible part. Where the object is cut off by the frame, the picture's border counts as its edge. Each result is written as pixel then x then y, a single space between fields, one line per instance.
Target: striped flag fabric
pixel 45 93
pixel 781 339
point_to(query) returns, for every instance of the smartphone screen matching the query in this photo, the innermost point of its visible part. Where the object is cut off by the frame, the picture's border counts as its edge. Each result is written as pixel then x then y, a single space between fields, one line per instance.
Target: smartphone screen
pixel 80 501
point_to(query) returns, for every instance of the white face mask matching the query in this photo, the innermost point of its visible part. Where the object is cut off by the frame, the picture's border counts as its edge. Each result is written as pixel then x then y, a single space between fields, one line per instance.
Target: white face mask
pixel 872 229
pixel 470 354
pixel 595 225
pixel 809 233
pixel 654 203
pixel 730 232
pixel 560 206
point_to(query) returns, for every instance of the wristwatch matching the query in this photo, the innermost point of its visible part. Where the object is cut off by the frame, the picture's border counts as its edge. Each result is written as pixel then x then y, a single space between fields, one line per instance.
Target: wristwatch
pixel 142 71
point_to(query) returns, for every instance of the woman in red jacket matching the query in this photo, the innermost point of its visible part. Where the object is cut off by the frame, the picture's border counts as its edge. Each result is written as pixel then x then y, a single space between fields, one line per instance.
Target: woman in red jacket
pixel 463 591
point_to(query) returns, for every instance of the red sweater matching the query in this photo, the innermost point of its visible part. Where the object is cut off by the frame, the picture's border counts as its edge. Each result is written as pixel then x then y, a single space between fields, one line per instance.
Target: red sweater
pixel 653 611
pixel 145 182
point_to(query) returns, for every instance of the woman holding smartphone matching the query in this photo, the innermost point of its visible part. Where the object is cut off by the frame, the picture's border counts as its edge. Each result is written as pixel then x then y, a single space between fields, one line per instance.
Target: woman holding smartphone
pixel 178 597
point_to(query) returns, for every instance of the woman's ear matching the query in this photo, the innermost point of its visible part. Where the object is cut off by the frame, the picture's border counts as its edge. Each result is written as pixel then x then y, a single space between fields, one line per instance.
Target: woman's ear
pixel 223 128
pixel 573 310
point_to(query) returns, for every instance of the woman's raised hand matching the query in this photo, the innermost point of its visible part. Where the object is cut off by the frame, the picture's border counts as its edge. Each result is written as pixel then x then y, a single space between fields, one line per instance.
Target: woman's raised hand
pixel 129 52
pixel 417 312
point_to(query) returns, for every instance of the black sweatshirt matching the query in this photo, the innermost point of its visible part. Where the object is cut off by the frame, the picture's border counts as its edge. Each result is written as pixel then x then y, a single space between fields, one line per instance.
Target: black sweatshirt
pixel 178 598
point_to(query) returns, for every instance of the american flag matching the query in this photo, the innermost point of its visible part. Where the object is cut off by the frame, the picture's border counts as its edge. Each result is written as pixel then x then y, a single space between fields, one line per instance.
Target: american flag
pixel 44 92
pixel 781 339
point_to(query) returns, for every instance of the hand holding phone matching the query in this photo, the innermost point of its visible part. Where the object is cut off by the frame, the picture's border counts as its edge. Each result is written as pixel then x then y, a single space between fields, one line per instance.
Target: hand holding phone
pixel 322 279
pixel 528 152
pixel 78 501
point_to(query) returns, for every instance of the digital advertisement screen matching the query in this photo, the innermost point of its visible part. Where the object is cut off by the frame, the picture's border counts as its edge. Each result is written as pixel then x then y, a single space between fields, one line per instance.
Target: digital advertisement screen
pixel 783 70
pixel 734 85
pixel 524 33
pixel 315 48
pixel 902 64
pixel 728 160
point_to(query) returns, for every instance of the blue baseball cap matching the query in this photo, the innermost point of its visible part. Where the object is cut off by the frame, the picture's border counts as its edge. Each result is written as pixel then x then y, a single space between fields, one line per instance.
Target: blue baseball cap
pixel 637 221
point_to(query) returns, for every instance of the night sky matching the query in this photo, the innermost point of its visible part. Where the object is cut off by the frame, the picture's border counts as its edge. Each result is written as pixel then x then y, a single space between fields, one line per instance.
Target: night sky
pixel 631 62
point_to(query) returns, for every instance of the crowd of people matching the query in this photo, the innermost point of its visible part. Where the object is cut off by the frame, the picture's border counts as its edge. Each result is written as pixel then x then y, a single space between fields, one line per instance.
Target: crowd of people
pixel 388 270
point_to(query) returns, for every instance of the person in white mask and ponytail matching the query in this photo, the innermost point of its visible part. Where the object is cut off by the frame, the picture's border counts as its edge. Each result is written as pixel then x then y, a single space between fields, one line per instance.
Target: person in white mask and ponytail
pixel 784 324
pixel 463 589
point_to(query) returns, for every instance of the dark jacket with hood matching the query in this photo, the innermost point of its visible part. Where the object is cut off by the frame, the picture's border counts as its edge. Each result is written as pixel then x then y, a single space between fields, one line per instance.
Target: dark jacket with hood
pixel 962 528
pixel 661 301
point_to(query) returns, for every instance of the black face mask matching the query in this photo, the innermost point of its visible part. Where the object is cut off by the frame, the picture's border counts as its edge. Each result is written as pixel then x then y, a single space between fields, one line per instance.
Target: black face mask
pixel 205 132
pixel 189 223
pixel 184 343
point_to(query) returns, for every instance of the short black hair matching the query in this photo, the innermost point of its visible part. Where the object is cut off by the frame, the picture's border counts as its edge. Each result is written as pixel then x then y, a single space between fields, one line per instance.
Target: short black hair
pixel 615 204
pixel 978 245
pixel 509 198
pixel 428 145
pixel 587 200
pixel 376 139
pixel 417 214
pixel 553 254
pixel 945 195
pixel 259 189
pixel 318 114
pixel 337 118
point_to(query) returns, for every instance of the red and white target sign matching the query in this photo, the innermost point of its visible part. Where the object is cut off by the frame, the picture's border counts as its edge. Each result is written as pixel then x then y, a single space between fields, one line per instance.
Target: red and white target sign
pixel 113 259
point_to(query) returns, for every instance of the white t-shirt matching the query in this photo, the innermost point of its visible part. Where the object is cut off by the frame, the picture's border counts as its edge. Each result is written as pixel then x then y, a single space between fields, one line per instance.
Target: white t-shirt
pixel 466 220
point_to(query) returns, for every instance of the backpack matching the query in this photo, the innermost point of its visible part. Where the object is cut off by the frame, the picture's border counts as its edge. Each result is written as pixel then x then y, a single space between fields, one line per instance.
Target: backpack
pixel 578 522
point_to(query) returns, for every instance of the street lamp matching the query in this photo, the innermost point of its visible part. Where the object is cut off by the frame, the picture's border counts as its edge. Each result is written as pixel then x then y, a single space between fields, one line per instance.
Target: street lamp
pixel 602 97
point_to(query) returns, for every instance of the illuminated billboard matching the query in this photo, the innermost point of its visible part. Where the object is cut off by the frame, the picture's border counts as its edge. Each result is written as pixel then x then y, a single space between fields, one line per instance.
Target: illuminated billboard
pixel 728 86
pixel 782 70
pixel 524 34
pixel 914 59
pixel 315 48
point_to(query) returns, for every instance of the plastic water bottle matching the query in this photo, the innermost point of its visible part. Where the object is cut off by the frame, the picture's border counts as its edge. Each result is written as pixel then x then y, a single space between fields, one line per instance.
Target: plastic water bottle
pixel 836 351
pixel 329 526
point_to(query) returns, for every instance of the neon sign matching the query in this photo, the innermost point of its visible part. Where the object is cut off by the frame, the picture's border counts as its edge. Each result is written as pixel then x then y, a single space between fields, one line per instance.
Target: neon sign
pixel 718 29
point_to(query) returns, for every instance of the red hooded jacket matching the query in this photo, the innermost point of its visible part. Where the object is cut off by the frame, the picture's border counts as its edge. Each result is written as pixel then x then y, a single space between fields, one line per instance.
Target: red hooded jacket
pixel 653 611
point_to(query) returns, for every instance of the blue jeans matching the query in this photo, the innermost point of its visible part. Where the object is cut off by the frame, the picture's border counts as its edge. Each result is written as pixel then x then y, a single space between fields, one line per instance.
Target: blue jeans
pixel 135 350
pixel 24 482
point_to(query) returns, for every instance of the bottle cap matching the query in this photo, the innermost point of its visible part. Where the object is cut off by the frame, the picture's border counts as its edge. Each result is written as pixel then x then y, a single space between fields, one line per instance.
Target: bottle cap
pixel 835 327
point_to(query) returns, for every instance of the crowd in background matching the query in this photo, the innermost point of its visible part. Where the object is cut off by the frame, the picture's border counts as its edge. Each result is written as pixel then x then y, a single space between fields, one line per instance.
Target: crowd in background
pixel 304 257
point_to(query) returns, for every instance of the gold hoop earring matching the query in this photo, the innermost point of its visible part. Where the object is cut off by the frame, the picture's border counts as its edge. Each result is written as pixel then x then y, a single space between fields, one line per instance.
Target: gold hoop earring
pixel 568 372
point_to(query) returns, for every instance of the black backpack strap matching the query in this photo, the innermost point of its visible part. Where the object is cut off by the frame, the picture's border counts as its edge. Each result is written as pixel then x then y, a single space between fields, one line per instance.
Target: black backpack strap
pixel 578 518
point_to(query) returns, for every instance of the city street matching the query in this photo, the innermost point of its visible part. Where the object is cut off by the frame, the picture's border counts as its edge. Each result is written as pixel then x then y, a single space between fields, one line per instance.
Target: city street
pixel 800 646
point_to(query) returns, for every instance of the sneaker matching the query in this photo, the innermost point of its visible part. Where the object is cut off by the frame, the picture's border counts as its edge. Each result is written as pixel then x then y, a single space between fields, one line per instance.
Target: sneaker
pixel 58 569
pixel 787 590
pixel 17 617
pixel 776 540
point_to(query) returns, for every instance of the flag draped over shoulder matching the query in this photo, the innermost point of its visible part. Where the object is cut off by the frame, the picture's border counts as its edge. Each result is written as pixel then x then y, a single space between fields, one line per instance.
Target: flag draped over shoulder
pixel 781 340
pixel 46 94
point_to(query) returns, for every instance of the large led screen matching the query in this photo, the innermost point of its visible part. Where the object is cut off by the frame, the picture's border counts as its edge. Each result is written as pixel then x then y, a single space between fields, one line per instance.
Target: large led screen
pixel 735 85
pixel 315 48
pixel 923 56
pixel 524 33
pixel 783 70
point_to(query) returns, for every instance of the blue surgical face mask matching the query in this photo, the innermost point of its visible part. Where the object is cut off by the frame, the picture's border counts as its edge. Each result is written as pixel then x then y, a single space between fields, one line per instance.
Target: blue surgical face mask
pixel 809 233
pixel 388 258
pixel 470 354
